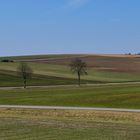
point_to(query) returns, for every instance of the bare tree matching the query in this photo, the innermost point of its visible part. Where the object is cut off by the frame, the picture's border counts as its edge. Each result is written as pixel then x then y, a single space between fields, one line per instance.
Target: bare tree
pixel 79 67
pixel 25 72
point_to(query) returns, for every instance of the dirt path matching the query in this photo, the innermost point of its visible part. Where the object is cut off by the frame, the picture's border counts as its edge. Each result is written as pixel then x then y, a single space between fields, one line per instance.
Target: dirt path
pixel 82 85
pixel 71 108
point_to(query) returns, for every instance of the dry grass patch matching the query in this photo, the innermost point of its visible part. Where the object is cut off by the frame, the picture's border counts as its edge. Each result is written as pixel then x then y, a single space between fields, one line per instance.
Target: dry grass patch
pixel 36 124
pixel 94 116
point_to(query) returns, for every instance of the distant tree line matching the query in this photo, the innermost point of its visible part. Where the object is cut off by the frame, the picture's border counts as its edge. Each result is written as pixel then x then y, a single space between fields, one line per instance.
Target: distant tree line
pixel 132 54
pixel 7 60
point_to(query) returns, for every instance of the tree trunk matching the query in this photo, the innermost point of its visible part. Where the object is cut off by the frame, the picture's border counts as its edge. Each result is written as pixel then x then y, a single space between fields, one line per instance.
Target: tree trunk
pixel 79 79
pixel 24 83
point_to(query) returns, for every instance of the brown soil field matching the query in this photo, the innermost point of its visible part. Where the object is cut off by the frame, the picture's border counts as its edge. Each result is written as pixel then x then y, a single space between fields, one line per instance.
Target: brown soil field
pixel 115 63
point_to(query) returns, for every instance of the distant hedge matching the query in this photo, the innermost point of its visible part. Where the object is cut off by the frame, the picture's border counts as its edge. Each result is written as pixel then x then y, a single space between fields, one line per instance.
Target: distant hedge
pixel 7 60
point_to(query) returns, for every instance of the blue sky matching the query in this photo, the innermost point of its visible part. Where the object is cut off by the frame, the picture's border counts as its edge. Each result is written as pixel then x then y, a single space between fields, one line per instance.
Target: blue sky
pixel 69 26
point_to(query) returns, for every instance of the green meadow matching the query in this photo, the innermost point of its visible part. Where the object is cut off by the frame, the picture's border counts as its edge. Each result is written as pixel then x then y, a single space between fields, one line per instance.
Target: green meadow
pixel 111 96
pixel 53 74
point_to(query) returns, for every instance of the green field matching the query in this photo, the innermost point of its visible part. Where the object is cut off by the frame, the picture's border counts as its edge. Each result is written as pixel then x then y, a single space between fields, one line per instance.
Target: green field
pixel 52 74
pixel 114 96
pixel 29 124
pixel 42 75
pixel 10 78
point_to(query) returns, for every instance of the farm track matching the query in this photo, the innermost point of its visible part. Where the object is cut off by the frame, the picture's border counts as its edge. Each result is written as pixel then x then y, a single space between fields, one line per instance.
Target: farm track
pixel 82 85
pixel 71 108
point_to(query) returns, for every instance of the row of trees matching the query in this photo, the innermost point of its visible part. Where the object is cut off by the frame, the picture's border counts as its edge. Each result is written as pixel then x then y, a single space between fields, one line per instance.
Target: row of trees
pixel 77 66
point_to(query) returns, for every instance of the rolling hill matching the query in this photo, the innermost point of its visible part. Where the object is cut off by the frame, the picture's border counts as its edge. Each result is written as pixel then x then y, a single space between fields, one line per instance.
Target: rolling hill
pixel 54 69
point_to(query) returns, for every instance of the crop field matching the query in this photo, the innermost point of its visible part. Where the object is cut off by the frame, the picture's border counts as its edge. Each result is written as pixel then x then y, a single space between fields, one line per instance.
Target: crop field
pixel 115 63
pixel 34 57
pixel 29 124
pixel 55 70
pixel 110 96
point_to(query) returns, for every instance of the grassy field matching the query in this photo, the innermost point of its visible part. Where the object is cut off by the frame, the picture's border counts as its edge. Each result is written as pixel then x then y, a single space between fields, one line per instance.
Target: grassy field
pixel 29 124
pixel 52 74
pixel 10 78
pixel 55 70
pixel 114 96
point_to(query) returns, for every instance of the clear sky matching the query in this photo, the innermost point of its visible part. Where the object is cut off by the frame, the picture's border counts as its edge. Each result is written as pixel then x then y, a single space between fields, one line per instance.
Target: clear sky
pixel 69 26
